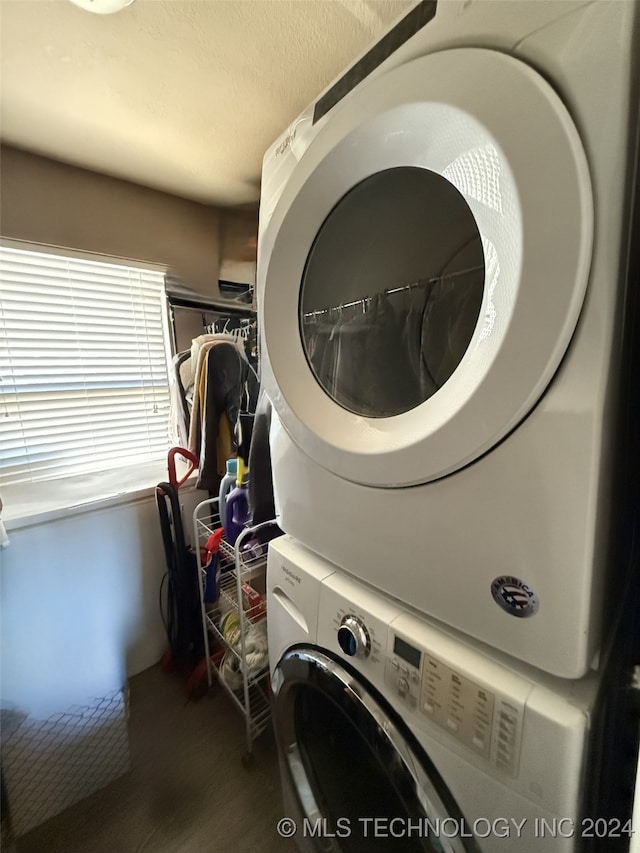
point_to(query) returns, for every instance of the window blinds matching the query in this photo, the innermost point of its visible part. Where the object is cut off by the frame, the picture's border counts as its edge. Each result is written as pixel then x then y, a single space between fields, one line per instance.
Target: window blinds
pixel 83 366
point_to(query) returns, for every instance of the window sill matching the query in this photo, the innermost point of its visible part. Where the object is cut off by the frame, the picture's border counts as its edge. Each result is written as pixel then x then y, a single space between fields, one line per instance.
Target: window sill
pixel 33 504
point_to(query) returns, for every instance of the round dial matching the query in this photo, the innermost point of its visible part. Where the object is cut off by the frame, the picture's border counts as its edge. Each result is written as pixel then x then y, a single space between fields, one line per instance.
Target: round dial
pixel 403 686
pixel 353 637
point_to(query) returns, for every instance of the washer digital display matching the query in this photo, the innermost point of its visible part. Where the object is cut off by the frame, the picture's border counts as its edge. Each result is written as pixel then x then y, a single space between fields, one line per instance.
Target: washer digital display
pixel 406 652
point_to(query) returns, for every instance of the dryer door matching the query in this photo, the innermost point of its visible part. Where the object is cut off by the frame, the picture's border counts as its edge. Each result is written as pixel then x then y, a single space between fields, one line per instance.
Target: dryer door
pixel 423 271
pixel 349 761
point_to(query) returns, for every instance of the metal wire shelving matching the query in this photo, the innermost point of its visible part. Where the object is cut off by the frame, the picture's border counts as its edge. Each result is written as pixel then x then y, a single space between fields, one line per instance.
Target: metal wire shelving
pixel 234 623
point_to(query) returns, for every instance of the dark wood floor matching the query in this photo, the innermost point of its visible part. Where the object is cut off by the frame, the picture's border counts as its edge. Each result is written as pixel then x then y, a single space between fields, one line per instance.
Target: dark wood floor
pixel 187 792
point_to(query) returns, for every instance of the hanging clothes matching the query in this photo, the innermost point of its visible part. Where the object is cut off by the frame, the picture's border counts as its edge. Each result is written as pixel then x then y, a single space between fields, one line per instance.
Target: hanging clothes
pixel 361 359
pixel 261 498
pixel 409 306
pixel 199 364
pixel 385 354
pixel 374 364
pixel 225 383
pixel 450 316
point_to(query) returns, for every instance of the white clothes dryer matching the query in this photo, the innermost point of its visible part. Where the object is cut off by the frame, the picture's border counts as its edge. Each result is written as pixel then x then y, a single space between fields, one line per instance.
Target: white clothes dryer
pixel 396 735
pixel 441 286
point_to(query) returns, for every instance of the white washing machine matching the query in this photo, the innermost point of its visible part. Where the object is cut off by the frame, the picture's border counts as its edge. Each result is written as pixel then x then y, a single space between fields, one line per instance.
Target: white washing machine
pixel 441 285
pixel 396 735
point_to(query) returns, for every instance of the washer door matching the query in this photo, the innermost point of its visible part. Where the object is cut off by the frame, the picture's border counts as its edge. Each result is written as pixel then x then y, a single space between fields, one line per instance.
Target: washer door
pixel 423 271
pixel 347 758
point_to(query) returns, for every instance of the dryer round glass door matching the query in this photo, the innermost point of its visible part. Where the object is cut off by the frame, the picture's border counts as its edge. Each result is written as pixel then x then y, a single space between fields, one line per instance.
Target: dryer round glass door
pixel 348 759
pixel 424 268
pixel 384 330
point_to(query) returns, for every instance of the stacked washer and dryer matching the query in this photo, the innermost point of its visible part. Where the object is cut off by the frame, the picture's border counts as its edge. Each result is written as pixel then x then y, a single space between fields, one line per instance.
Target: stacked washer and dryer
pixel 443 271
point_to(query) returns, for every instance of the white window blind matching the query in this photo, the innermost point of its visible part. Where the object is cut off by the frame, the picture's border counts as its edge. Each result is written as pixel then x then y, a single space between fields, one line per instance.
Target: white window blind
pixel 83 367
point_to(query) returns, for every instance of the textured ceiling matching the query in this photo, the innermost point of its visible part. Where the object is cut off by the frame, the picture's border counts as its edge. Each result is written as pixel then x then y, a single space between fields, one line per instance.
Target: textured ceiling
pixel 180 96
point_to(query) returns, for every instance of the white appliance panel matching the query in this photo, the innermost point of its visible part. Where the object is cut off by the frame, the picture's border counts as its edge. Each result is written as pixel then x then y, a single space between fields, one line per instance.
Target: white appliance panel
pixel 506 472
pixel 537 726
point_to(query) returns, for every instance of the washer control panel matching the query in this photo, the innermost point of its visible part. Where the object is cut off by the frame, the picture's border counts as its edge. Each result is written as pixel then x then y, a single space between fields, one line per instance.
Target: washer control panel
pixel 457 704
pixel 484 721
pixel 437 682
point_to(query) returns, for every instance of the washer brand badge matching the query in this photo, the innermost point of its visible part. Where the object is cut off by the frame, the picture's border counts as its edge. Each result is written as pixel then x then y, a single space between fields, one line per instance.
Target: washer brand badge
pixel 514 596
pixel 290 574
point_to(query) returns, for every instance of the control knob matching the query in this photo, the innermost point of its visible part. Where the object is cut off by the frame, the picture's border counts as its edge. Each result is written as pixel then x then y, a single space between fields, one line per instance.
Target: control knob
pixel 353 637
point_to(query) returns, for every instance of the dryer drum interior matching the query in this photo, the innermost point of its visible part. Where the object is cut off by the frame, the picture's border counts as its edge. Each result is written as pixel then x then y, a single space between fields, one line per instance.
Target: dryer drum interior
pixel 384 329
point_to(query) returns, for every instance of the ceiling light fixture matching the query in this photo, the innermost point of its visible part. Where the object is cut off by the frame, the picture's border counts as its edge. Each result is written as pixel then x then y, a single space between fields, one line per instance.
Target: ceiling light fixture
pixel 102 7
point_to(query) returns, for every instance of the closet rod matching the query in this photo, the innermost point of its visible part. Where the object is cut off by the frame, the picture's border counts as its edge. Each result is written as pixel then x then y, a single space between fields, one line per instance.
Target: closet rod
pixel 420 282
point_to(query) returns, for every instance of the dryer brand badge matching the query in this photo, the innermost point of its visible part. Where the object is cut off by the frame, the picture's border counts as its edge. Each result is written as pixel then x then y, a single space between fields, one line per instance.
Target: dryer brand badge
pixel 514 596
pixel 286 142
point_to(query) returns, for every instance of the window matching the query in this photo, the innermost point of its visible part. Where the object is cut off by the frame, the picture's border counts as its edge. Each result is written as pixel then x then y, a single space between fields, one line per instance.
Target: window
pixel 83 367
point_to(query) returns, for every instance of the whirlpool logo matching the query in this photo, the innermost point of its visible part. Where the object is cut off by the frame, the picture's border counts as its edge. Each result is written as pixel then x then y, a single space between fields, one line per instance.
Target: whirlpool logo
pixel 514 596
pixel 286 142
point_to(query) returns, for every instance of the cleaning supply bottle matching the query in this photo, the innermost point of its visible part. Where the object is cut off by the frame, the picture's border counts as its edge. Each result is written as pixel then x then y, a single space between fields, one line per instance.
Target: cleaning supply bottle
pixel 212 570
pixel 227 483
pixel 237 513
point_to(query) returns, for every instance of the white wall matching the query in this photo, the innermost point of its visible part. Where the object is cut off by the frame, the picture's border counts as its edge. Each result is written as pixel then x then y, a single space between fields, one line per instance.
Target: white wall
pixel 79 604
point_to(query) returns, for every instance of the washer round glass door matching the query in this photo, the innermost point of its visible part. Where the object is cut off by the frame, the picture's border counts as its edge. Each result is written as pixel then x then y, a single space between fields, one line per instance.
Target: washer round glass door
pixel 349 760
pixel 424 268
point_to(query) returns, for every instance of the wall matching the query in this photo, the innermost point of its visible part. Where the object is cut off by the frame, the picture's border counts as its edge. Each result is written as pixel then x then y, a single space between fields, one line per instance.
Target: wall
pixel 238 246
pixel 80 613
pixel 48 202
pixel 80 604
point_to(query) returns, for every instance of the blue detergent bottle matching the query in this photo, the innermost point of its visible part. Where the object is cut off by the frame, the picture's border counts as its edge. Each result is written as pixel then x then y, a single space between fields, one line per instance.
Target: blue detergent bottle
pixel 227 483
pixel 237 512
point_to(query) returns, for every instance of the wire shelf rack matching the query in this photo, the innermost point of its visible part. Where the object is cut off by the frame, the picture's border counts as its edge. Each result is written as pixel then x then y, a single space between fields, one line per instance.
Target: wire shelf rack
pixel 234 615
